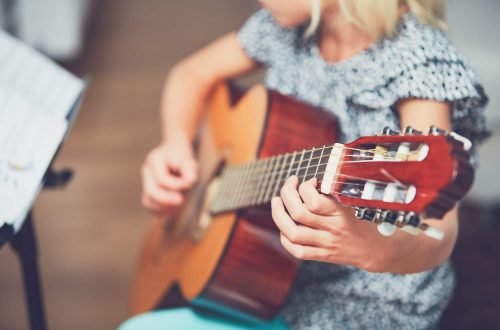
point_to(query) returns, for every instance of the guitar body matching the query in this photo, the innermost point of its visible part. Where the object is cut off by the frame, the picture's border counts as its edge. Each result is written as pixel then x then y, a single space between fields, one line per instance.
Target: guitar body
pixel 232 262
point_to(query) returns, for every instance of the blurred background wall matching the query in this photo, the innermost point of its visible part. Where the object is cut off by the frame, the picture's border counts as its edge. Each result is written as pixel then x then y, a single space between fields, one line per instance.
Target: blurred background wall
pixel 89 233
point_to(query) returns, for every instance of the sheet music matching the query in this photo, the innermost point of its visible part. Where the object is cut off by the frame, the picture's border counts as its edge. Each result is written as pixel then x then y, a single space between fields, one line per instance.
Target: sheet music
pixel 32 76
pixel 35 99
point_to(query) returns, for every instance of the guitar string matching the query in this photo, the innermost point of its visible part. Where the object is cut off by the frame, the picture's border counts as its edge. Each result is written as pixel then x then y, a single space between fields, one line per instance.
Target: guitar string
pixel 334 182
pixel 313 165
pixel 282 159
pixel 262 194
pixel 314 158
pixel 256 176
pixel 266 200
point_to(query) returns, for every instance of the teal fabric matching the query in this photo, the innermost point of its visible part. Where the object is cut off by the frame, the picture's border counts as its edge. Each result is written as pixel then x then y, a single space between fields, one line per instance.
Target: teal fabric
pixel 187 319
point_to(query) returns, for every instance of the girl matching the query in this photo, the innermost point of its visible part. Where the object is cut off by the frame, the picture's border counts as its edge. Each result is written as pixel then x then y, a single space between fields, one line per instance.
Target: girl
pixel 373 64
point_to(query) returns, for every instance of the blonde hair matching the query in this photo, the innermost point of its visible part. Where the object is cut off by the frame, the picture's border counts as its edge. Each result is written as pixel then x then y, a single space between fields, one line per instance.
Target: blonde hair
pixel 380 17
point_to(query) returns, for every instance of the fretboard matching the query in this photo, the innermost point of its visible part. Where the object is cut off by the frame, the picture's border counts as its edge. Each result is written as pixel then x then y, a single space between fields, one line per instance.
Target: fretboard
pixel 256 183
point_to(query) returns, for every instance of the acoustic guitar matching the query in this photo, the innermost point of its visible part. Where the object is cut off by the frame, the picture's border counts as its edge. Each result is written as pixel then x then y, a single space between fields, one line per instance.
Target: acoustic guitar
pixel 222 252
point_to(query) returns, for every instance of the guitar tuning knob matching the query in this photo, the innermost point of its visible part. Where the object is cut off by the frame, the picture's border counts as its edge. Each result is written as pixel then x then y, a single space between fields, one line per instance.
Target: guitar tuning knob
pixel 411 131
pixel 433 130
pixel 388 219
pixel 415 226
pixel 433 232
pixel 358 212
pixel 386 229
pixel 365 213
pixel 465 141
pixel 388 131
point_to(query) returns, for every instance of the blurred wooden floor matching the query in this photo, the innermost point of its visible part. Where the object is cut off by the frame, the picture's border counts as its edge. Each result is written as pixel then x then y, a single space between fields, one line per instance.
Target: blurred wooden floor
pixel 89 233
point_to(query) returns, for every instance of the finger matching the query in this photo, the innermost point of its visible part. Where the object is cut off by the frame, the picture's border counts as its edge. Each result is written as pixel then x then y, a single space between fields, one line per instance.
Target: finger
pixel 281 217
pixel 157 208
pixel 291 197
pixel 296 208
pixel 314 201
pixel 160 194
pixel 189 171
pixel 307 252
pixel 165 178
pixel 186 167
pixel 299 234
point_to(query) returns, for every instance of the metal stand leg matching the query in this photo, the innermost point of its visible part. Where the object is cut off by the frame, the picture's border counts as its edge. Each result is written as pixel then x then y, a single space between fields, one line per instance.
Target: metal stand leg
pixel 25 245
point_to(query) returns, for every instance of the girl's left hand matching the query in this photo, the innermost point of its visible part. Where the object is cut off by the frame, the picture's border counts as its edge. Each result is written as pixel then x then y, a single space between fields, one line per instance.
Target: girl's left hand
pixel 316 227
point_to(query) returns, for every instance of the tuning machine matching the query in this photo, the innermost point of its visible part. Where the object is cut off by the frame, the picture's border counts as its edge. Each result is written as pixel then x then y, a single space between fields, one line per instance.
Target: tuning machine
pixel 389 131
pixel 364 213
pixel 384 219
pixel 433 130
pixel 414 225
pixel 387 221
pixel 411 131
pixel 465 141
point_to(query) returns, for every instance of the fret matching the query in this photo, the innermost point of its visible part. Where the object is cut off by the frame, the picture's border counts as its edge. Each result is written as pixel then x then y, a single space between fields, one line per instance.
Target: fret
pixel 278 184
pixel 228 189
pixel 254 177
pixel 312 161
pixel 256 180
pixel 264 184
pixel 313 164
pixel 295 165
pixel 299 162
pixel 324 162
pixel 221 193
pixel 291 165
pixel 231 187
pixel 243 184
pixel 307 155
pixel 261 173
pixel 238 187
pixel 248 185
pixel 319 161
pixel 274 173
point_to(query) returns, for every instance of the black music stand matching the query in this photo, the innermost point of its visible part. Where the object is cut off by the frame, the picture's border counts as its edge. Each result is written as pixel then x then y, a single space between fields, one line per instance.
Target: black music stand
pixel 24 242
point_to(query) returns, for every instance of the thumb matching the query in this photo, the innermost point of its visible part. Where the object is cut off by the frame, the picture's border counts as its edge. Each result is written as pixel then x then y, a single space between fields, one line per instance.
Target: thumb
pixel 189 170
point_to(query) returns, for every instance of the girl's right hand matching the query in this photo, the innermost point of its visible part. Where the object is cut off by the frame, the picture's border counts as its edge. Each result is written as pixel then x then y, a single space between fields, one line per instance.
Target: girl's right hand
pixel 168 171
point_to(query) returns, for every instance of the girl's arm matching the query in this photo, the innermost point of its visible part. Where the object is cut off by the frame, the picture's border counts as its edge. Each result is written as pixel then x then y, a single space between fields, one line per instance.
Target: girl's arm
pixel 171 168
pixel 191 80
pixel 315 227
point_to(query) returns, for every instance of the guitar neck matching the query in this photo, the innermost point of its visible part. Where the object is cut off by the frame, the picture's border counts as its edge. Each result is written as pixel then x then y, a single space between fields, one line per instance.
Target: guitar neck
pixel 256 183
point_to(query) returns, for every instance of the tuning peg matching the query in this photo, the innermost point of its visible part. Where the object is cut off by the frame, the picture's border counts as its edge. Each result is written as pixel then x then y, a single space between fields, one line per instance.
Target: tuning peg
pixel 465 141
pixel 386 229
pixel 411 230
pixel 412 219
pixel 411 131
pixel 365 213
pixel 433 130
pixel 432 232
pixel 358 212
pixel 389 217
pixel 414 226
pixel 389 131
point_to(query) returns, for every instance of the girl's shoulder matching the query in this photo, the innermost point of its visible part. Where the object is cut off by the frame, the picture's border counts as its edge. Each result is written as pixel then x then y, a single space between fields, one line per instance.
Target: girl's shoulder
pixel 264 40
pixel 418 43
pixel 420 61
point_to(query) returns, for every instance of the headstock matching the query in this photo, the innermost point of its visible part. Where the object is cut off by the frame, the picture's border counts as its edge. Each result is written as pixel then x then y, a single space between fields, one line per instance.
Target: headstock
pixel 395 179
